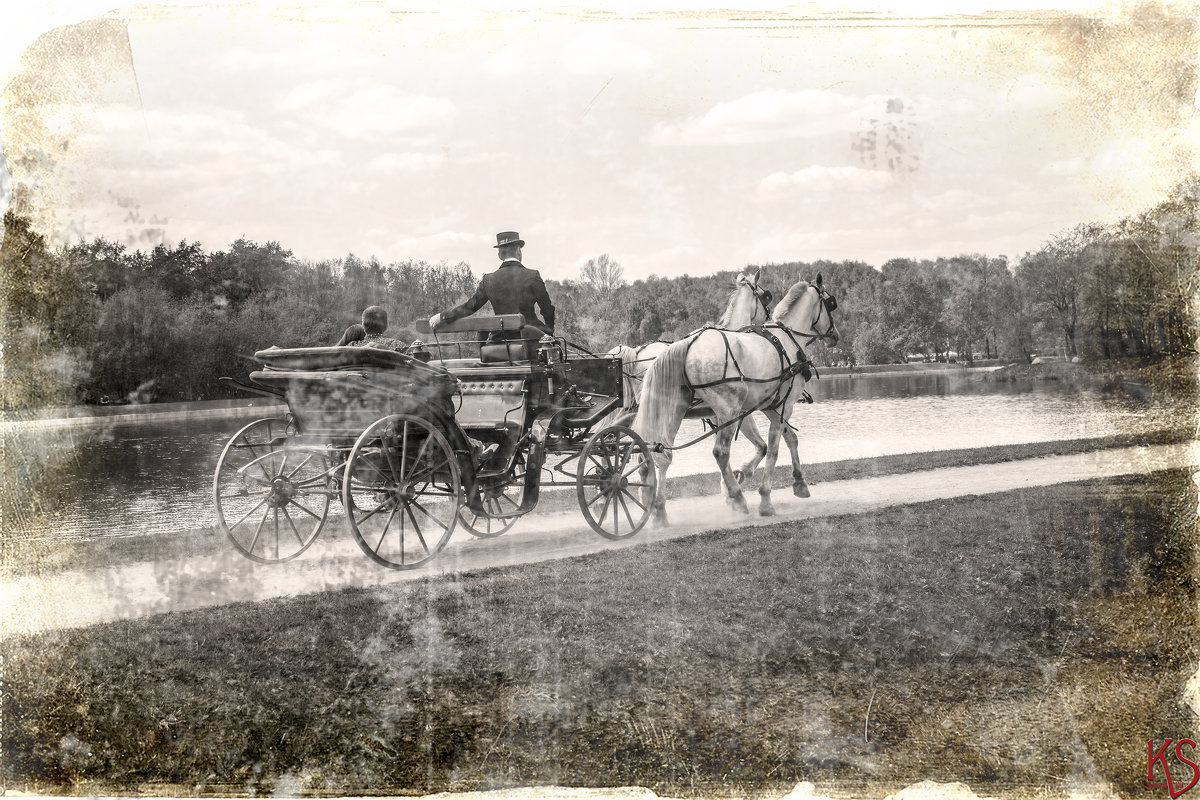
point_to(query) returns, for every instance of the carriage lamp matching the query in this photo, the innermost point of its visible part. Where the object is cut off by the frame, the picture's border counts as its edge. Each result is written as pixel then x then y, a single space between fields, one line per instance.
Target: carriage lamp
pixel 417 350
pixel 549 350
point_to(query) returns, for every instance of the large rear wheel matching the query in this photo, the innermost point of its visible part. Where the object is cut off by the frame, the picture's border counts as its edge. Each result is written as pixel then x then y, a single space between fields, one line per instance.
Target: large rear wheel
pixel 401 491
pixel 271 499
pixel 616 482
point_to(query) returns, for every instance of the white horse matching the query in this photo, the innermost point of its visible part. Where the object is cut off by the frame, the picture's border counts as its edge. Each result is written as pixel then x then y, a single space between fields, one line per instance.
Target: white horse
pixel 749 304
pixel 736 374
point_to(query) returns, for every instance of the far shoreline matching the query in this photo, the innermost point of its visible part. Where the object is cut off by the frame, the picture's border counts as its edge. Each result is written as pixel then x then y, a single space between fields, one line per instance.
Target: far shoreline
pixel 234 407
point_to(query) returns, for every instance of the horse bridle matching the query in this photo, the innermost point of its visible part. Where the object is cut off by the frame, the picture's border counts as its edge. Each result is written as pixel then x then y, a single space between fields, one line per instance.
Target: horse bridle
pixel 829 303
pixel 763 296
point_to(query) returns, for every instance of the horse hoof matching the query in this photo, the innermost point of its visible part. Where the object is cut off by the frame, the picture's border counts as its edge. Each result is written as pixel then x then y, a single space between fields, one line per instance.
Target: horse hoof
pixel 766 510
pixel 739 476
pixel 800 490
pixel 739 504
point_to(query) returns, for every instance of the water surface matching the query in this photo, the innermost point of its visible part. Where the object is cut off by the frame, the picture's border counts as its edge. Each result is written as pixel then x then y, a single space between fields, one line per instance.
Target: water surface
pixel 125 478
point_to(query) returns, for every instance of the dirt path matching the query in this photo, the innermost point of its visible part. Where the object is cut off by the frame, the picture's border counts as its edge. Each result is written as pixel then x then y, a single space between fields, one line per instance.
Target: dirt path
pixel 80 598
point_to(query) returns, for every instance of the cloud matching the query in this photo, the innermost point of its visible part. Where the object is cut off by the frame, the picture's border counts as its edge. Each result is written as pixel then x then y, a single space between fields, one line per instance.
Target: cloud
pixel 773 115
pixel 375 112
pixel 1033 93
pixel 393 163
pixel 602 53
pixel 508 62
pixel 433 246
pixel 818 180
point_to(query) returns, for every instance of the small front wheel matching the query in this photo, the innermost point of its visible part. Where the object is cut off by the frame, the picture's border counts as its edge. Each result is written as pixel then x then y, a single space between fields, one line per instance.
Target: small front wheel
pixel 401 491
pixel 616 482
pixel 500 499
pixel 271 499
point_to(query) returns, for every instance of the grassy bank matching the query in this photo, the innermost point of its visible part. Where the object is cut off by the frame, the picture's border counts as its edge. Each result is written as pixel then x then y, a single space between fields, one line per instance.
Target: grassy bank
pixel 1176 377
pixel 1030 639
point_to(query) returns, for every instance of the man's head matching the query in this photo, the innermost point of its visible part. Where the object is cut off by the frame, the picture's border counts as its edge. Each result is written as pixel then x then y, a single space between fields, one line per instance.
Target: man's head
pixel 508 245
pixel 374 319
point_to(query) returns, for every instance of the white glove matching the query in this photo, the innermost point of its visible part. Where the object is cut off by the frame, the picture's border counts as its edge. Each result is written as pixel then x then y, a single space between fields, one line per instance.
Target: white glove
pixel 434 321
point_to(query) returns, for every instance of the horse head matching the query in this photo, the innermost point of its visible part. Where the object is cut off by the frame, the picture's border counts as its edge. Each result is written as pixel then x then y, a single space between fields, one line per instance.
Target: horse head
pixel 807 310
pixel 749 303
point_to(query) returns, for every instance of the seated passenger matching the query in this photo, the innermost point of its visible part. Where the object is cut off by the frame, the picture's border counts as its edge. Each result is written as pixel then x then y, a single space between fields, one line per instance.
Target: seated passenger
pixel 353 335
pixel 375 322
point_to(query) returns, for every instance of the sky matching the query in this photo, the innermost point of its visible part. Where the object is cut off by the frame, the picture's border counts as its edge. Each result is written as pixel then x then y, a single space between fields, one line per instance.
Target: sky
pixel 675 139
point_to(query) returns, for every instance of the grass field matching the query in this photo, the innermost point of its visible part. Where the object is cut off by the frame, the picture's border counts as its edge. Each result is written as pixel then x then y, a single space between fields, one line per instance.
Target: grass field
pixel 1023 642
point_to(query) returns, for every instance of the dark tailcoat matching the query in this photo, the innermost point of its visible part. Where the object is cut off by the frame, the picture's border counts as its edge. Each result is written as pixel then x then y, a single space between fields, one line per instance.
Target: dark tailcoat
pixel 512 289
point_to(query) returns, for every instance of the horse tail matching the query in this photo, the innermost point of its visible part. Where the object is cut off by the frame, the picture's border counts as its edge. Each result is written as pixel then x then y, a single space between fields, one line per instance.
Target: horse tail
pixel 665 395
pixel 629 359
pixel 629 389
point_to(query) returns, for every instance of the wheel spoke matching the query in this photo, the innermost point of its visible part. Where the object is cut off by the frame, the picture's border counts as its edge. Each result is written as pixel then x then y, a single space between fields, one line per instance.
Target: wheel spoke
pixel 293 501
pixel 381 507
pixel 258 530
pixel 372 465
pixel 417 527
pixel 257 506
pixel 431 517
pixel 429 472
pixel 307 459
pixel 404 450
pixel 292 525
pixel 386 449
pixel 633 497
pixel 625 508
pixel 604 511
pixel 387 524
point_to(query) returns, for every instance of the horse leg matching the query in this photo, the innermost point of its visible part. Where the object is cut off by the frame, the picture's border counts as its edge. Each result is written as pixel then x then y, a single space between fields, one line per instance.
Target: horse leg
pixel 733 492
pixel 765 507
pixel 750 430
pixel 799 487
pixel 661 462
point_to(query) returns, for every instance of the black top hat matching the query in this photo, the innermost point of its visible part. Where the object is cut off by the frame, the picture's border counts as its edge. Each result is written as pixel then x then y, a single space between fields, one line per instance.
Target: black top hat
pixel 509 237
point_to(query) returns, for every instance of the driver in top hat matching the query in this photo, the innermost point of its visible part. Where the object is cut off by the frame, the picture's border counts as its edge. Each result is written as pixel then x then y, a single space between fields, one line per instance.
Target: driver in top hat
pixel 511 289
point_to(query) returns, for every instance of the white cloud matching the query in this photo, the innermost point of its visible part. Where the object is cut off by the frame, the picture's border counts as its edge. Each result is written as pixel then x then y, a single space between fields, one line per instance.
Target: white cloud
pixel 393 163
pixel 602 53
pixel 823 181
pixel 1032 93
pixel 773 115
pixel 508 62
pixel 369 112
pixel 436 246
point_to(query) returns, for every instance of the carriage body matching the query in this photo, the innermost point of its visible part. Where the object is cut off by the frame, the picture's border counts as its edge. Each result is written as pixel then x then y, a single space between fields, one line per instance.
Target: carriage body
pixel 388 434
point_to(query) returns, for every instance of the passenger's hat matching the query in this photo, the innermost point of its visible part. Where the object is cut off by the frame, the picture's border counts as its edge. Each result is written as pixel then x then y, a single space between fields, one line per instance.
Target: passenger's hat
pixel 509 237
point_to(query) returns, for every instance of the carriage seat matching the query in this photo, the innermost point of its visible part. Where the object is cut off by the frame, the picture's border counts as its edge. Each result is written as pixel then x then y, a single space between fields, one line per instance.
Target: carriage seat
pixel 514 351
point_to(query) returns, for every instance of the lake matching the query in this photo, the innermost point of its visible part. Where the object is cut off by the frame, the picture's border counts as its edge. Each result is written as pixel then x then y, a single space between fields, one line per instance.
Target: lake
pixel 121 478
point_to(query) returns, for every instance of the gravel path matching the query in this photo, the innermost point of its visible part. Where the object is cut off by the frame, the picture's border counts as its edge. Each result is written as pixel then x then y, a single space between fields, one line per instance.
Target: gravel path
pixel 80 598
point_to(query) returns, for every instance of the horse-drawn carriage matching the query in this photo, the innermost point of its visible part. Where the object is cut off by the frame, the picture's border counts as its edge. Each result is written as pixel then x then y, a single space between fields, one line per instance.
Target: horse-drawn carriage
pixel 388 435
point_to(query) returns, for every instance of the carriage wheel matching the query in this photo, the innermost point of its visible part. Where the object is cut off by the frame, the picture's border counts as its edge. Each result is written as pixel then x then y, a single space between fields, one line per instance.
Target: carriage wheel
pixel 271 499
pixel 401 491
pixel 501 499
pixel 616 482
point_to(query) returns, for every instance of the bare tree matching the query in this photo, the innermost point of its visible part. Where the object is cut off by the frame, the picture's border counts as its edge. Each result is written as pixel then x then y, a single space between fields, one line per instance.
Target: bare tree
pixel 602 276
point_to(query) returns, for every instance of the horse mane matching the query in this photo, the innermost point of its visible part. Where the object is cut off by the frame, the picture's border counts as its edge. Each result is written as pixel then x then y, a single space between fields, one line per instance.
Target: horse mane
pixel 723 322
pixel 793 294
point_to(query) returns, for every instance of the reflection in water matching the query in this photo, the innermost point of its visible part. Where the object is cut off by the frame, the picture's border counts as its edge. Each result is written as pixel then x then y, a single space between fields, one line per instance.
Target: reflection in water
pixel 125 479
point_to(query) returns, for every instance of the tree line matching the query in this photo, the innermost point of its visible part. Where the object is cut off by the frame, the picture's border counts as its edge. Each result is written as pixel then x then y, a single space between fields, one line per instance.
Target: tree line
pixel 97 322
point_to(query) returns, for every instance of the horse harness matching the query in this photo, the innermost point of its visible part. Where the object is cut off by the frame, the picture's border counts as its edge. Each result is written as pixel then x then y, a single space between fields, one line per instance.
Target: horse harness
pixel 788 369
